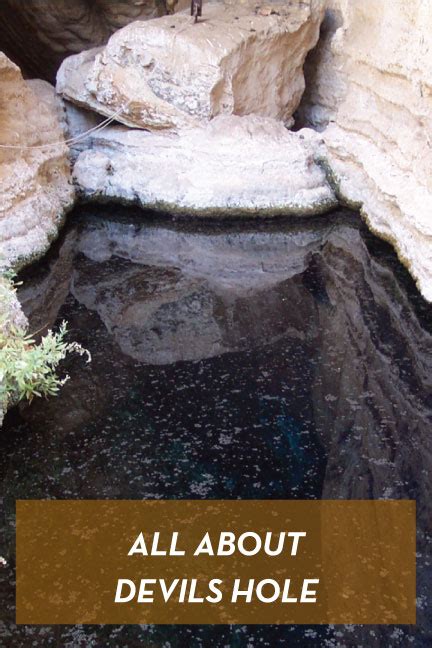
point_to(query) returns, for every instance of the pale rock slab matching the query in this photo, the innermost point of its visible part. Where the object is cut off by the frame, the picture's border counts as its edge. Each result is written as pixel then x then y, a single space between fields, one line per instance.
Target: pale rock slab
pixel 369 88
pixel 35 184
pixel 169 73
pixel 234 166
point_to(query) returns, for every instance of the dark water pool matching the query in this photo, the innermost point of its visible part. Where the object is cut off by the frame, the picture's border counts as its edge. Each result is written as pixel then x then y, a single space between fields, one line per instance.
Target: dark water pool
pixel 284 360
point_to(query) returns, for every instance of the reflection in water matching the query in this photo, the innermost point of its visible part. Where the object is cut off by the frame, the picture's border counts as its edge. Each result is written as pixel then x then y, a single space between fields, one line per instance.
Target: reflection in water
pixel 287 361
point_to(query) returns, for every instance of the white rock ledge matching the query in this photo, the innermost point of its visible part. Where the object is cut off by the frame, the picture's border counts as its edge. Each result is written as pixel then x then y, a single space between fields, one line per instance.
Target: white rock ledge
pixel 234 166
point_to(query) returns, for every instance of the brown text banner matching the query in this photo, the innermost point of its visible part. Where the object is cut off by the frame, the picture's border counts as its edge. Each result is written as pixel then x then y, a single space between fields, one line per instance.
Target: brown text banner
pixel 205 562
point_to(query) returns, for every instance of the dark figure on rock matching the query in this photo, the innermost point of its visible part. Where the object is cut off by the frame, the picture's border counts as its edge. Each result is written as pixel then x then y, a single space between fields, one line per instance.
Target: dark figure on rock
pixel 196 9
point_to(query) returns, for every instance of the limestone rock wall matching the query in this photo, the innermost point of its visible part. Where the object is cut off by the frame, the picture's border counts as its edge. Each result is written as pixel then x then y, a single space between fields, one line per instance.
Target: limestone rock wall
pixel 35 183
pixel 369 87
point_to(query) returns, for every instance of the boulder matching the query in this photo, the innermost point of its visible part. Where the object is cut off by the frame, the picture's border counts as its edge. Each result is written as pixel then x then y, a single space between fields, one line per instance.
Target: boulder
pixel 35 183
pixel 169 73
pixel 234 166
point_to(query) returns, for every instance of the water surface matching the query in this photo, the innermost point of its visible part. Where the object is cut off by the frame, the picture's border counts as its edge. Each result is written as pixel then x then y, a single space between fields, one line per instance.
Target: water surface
pixel 282 360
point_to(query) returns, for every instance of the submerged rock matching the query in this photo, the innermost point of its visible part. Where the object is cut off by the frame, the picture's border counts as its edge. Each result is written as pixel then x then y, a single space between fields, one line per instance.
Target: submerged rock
pixel 188 296
pixel 35 183
pixel 234 166
pixel 169 73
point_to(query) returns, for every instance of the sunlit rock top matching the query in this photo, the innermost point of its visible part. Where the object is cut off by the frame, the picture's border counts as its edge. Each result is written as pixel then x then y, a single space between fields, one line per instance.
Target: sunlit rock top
pixel 169 73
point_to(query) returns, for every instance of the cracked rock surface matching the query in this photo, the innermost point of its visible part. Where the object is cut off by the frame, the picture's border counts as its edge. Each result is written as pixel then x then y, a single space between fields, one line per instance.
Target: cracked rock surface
pixel 235 166
pixel 169 73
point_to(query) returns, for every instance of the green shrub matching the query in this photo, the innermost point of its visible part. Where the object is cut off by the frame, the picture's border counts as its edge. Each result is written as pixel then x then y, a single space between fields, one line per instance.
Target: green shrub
pixel 28 369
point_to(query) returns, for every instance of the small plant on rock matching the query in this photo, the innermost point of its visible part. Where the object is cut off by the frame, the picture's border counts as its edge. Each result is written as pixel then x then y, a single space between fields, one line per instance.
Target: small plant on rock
pixel 28 369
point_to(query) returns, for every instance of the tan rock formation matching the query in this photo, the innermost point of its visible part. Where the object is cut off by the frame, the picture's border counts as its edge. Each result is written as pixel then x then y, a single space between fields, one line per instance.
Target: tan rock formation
pixel 370 87
pixel 235 166
pixel 169 73
pixel 35 184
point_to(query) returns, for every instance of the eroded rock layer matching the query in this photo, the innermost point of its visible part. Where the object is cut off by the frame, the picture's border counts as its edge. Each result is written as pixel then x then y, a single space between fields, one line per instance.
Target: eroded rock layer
pixel 370 87
pixel 235 166
pixel 35 183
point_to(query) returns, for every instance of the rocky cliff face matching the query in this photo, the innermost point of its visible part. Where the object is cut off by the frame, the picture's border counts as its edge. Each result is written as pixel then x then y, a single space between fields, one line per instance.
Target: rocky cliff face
pixel 35 183
pixel 369 88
